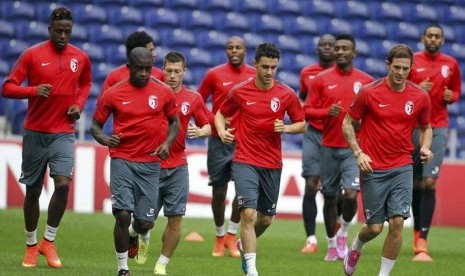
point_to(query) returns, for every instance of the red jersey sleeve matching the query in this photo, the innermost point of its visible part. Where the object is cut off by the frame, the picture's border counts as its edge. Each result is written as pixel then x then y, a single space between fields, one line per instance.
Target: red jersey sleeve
pixel 294 109
pixel 424 117
pixel 104 109
pixel 358 107
pixel 85 83
pixel 169 108
pixel 455 83
pixel 311 102
pixel 207 86
pixel 12 87
pixel 303 86
pixel 201 113
pixel 231 104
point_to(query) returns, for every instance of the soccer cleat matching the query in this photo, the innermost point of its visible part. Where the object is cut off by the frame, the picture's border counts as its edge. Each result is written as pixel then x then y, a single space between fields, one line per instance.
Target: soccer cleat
pixel 341 247
pixel 49 250
pixel 123 272
pixel 422 257
pixel 416 236
pixel 141 256
pixel 133 246
pixel 241 251
pixel 421 246
pixel 218 250
pixel 230 244
pixel 30 259
pixel 309 248
pixel 351 261
pixel 159 269
pixel 331 256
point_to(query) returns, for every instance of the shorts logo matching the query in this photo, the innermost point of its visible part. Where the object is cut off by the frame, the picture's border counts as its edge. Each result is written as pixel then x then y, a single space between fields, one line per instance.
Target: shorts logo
pixel 368 214
pixel 113 199
pixel 409 107
pixel 240 200
pixel 185 108
pixel 356 182
pixel 73 64
pixel 153 101
pixel 445 71
pixel 151 212
pixel 406 209
pixel 435 170
pixel 357 86
pixel 275 104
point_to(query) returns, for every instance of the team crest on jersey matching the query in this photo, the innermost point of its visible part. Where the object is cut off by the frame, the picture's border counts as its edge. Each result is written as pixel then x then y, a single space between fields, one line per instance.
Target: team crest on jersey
pixel 445 71
pixel 153 101
pixel 409 107
pixel 357 86
pixel 275 104
pixel 73 64
pixel 185 108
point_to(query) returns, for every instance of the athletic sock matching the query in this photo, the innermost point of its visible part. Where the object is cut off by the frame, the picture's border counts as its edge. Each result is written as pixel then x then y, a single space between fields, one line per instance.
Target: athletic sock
pixel 343 231
pixel 416 203
pixel 122 260
pixel 386 266
pixel 312 239
pixel 163 260
pixel 145 237
pixel 50 232
pixel 31 237
pixel 357 245
pixel 232 227
pixel 132 231
pixel 331 242
pixel 309 211
pixel 428 202
pixel 220 231
pixel 250 259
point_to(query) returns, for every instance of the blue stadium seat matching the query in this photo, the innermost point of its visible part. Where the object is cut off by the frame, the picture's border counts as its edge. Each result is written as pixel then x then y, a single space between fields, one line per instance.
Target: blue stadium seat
pixel 94 51
pixel 216 6
pixel 363 48
pixel 199 58
pixel 116 54
pixel 453 109
pixel 285 8
pixel 353 10
pixel 90 15
pixel 212 40
pixel 267 24
pixel 128 30
pixel 33 31
pixel 7 31
pixel 18 11
pixel 79 34
pixel 146 4
pixel 301 26
pixel 407 33
pixel 179 39
pixel 16 116
pixel 4 68
pixel 197 21
pixel 90 105
pixel 380 49
pixel 100 71
pixel 309 45
pixel 317 9
pixel 182 5
pixel 422 13
pixel 44 9
pixel 125 16
pixel 188 77
pixel 252 40
pixel 95 90
pixel 110 3
pixel 300 61
pixel 161 53
pixel 338 26
pixel 161 19
pixel 288 44
pixel 384 12
pixel 289 78
pixel 251 7
pixel 375 67
pixel 13 49
pixel 455 15
pixel 232 23
pixel 372 29
pixel 449 33
pixel 219 57
pixel 456 50
pixel 106 35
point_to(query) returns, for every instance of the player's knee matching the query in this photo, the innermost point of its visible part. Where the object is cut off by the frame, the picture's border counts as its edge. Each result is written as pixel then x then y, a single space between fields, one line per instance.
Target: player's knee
pixel 311 184
pixel 430 182
pixel 265 221
pixel 122 217
pixel 219 193
pixel 142 226
pixel 62 189
pixel 375 229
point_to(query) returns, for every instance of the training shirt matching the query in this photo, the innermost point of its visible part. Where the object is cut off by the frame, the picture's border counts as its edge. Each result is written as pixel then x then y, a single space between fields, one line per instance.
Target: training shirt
pixel 68 71
pixel 307 74
pixel 442 70
pixel 327 88
pixel 122 72
pixel 388 119
pixel 217 83
pixel 256 142
pixel 138 113
pixel 189 104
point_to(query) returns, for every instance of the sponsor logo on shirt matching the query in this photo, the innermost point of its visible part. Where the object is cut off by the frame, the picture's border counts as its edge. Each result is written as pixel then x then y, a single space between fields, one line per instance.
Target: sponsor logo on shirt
pixel 445 71
pixel 153 101
pixel 275 104
pixel 382 105
pixel 73 64
pixel 420 69
pixel 185 108
pixel 250 103
pixel 46 63
pixel 409 107
pixel 226 83
pixel 332 86
pixel 357 86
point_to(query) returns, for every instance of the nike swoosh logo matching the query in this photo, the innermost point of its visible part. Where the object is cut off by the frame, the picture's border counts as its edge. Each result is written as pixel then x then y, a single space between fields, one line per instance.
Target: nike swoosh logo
pixel 332 86
pixel 226 83
pixel 150 215
pixel 421 69
pixel 354 184
pixel 383 105
pixel 250 103
pixel 424 229
pixel 125 103
pixel 45 63
pixel 311 77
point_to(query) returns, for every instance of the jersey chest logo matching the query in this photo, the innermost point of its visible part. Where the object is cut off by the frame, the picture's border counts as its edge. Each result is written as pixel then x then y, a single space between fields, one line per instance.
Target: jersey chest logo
pixel 275 104
pixel 73 65
pixel 409 107
pixel 153 101
pixel 357 86
pixel 445 71
pixel 185 108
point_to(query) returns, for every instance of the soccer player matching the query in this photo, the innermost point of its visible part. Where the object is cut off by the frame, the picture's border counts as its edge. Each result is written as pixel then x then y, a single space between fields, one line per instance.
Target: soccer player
pixel 389 109
pixel 174 175
pixel 332 92
pixel 138 105
pixel 311 144
pixel 262 103
pixel 217 83
pixel 58 83
pixel 136 39
pixel 439 75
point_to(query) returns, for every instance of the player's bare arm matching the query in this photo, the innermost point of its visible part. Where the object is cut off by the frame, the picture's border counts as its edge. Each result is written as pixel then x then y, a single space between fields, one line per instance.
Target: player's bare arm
pixel 294 128
pixel 194 131
pixel 426 137
pixel 226 135
pixel 96 129
pixel 163 151
pixel 74 112
pixel 348 129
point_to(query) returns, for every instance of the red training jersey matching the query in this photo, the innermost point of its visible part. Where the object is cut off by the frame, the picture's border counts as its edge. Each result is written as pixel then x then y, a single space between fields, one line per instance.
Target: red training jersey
pixel 256 142
pixel 307 74
pixel 189 104
pixel 69 73
pixel 122 72
pixel 388 119
pixel 217 83
pixel 443 71
pixel 329 87
pixel 138 113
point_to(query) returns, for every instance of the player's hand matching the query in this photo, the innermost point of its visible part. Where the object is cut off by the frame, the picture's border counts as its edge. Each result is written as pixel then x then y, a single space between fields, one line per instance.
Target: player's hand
pixel 335 109
pixel 162 151
pixel 113 140
pixel 426 84
pixel 43 90
pixel 447 94
pixel 193 131
pixel 226 136
pixel 426 155
pixel 363 163
pixel 279 126
pixel 74 113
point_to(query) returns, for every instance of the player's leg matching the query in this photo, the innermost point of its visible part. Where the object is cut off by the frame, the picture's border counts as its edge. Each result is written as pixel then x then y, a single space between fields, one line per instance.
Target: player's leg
pixel 170 240
pixel 418 187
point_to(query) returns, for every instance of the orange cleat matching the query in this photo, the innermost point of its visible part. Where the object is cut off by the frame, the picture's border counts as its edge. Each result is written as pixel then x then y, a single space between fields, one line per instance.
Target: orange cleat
pixel 30 259
pixel 133 248
pixel 230 244
pixel 421 246
pixel 422 257
pixel 309 248
pixel 218 250
pixel 49 250
pixel 416 236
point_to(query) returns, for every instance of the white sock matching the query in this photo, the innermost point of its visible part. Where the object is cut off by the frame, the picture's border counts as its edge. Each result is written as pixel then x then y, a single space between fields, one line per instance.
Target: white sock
pixel 220 231
pixel 343 231
pixel 357 245
pixel 122 259
pixel 163 260
pixel 250 259
pixel 232 227
pixel 331 242
pixel 50 232
pixel 386 266
pixel 145 237
pixel 132 232
pixel 312 239
pixel 31 237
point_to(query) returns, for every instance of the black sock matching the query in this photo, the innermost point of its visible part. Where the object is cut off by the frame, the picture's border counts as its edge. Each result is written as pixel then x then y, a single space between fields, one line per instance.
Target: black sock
pixel 416 201
pixel 309 212
pixel 428 202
